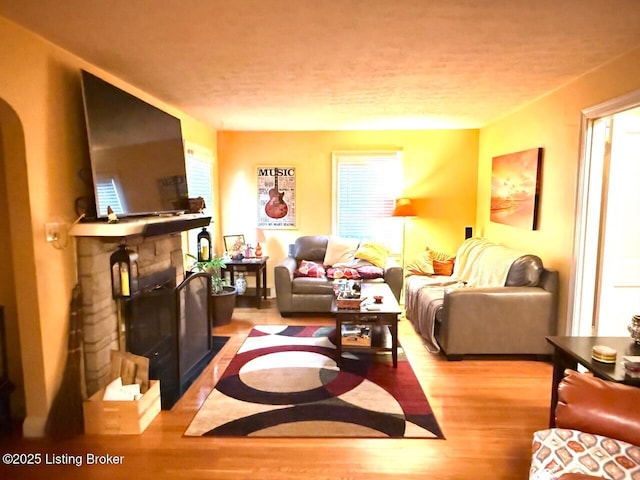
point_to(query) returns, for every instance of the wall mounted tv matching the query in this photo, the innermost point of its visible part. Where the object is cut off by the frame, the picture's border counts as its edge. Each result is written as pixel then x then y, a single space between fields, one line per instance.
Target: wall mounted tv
pixel 136 150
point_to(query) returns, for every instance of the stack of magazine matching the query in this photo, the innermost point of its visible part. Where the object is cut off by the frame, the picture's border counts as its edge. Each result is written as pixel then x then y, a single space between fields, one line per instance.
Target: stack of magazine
pixel 632 366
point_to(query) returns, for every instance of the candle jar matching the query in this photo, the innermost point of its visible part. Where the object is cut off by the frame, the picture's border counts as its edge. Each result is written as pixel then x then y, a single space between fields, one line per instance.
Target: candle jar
pixel 634 328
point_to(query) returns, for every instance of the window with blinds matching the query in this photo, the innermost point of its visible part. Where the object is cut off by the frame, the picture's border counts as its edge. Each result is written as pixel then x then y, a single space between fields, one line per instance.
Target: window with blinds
pixel 199 180
pixel 199 165
pixel 365 186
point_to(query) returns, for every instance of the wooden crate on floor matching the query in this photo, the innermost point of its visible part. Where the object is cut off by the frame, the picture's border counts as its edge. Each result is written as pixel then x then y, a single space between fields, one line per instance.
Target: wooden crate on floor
pixel 121 417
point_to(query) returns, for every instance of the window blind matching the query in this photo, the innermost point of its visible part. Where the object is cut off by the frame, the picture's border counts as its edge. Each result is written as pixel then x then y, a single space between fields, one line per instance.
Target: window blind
pixel 199 180
pixel 199 164
pixel 366 185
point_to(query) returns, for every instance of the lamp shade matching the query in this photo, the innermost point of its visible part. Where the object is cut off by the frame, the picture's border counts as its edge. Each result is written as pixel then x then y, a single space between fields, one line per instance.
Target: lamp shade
pixel 404 208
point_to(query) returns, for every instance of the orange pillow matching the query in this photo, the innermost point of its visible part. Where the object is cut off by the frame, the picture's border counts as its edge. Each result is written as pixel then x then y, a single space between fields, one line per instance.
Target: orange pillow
pixel 443 268
pixel 442 262
pixel 431 263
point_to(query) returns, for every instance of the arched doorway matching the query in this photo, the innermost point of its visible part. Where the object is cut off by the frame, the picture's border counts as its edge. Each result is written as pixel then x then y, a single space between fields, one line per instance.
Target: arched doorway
pixel 11 145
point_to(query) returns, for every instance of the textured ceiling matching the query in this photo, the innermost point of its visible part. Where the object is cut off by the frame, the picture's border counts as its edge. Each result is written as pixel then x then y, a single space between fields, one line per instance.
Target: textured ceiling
pixel 339 64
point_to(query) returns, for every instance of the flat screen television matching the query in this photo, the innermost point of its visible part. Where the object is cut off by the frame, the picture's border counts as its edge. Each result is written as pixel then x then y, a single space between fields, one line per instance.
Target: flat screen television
pixel 136 150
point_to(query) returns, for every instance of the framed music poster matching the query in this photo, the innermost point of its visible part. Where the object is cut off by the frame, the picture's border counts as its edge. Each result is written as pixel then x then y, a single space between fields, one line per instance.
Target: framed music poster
pixel 277 197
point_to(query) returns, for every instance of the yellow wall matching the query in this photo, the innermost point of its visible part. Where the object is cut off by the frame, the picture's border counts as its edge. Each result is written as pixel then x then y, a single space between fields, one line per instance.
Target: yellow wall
pixel 440 172
pixel 552 122
pixel 44 147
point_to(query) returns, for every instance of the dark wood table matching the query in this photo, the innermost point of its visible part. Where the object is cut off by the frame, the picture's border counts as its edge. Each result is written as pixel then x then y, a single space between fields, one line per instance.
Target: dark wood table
pixel 568 352
pixel 386 316
pixel 258 267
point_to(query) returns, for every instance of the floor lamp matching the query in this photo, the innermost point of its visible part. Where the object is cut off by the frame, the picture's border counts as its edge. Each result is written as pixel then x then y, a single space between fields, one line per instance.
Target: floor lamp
pixel 404 208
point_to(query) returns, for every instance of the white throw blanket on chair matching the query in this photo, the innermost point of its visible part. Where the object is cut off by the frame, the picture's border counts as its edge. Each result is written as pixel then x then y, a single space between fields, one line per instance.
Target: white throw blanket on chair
pixel 481 263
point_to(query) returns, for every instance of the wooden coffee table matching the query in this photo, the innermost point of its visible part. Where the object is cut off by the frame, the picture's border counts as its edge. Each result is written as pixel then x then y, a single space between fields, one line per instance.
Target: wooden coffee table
pixel 386 318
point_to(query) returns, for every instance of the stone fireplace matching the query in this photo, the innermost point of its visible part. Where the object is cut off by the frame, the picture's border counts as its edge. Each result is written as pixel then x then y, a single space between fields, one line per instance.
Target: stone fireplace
pixel 103 322
pixel 159 250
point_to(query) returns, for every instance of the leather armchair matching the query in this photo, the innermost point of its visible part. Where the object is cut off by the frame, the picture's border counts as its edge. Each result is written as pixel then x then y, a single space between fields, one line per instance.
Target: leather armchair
pixel 597 432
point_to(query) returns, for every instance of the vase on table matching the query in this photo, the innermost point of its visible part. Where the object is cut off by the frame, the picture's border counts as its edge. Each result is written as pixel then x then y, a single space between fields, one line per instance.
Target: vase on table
pixel 241 284
pixel 634 328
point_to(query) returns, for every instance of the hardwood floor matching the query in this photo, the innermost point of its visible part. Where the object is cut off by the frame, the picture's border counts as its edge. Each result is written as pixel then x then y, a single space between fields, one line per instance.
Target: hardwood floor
pixel 488 410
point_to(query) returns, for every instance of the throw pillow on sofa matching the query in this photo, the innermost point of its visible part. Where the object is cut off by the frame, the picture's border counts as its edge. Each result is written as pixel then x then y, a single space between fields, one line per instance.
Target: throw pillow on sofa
pixel 310 269
pixel 343 272
pixel 357 268
pixel 340 251
pixel 443 268
pixel 431 262
pixel 373 252
pixel 421 264
pixel 369 272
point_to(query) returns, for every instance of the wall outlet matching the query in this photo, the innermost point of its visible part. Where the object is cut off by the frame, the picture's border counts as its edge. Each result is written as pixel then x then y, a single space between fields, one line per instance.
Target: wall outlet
pixel 52 231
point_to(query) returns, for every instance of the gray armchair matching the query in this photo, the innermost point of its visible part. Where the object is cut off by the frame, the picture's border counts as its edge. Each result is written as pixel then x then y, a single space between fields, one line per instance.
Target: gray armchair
pixel 314 295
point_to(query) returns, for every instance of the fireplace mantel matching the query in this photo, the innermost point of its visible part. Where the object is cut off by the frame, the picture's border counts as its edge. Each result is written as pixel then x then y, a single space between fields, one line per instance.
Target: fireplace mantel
pixel 145 226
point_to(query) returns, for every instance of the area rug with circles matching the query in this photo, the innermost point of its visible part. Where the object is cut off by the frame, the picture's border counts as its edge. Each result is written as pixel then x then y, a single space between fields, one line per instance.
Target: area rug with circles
pixel 284 381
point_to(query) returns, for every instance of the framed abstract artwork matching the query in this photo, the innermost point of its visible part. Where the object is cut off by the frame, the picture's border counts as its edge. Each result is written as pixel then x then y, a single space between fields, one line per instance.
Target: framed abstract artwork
pixel 277 197
pixel 515 188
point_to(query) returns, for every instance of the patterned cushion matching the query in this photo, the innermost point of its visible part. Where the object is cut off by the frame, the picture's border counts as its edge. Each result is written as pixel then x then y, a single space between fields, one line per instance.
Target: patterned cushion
pixel 369 272
pixel 310 269
pixel 343 272
pixel 440 256
pixel 557 451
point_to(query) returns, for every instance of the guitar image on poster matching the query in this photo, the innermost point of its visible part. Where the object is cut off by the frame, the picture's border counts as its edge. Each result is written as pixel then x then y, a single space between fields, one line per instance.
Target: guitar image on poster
pixel 276 206
pixel 276 196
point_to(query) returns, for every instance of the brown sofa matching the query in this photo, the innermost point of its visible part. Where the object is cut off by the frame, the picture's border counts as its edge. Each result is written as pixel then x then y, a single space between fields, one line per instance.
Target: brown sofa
pixel 314 295
pixel 597 433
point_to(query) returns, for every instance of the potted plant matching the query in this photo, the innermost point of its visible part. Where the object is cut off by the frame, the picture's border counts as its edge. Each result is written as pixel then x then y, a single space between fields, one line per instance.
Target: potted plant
pixel 223 297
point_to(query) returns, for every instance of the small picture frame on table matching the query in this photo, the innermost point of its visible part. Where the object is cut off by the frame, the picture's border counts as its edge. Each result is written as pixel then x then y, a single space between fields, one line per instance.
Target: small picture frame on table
pixel 233 242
